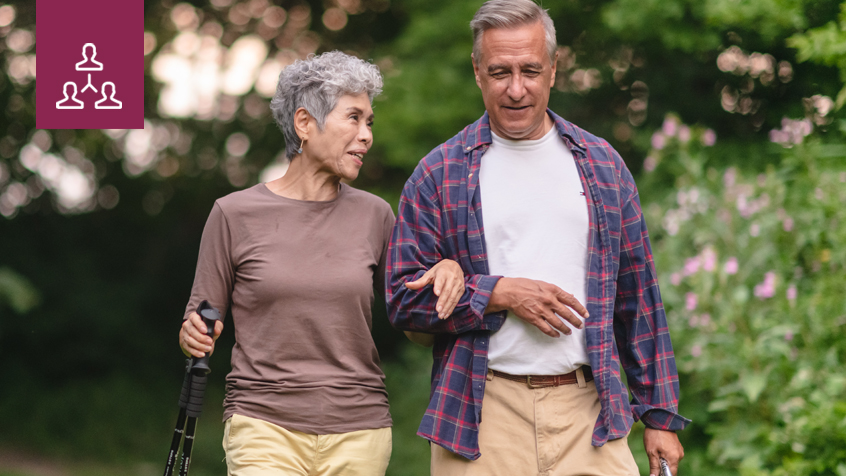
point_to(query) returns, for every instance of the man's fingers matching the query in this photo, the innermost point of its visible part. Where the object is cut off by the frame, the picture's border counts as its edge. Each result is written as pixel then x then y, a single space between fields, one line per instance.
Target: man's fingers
pixel 557 323
pixel 546 328
pixel 674 467
pixel 570 300
pixel 565 313
pixel 653 465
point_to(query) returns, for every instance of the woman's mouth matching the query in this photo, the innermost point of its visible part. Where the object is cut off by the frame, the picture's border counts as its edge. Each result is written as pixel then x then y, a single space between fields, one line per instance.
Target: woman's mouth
pixel 358 157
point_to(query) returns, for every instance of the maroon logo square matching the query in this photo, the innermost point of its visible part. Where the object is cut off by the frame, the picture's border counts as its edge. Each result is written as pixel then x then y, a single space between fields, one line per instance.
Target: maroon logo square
pixel 90 64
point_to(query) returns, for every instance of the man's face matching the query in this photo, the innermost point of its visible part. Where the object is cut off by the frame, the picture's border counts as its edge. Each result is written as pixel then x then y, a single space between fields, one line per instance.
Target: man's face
pixel 515 74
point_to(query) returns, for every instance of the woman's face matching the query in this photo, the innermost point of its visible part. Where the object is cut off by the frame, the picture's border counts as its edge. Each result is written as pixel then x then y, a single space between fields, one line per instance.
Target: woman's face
pixel 346 137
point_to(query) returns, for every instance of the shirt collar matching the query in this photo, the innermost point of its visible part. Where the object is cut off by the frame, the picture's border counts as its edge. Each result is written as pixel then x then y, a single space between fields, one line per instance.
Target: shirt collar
pixel 480 134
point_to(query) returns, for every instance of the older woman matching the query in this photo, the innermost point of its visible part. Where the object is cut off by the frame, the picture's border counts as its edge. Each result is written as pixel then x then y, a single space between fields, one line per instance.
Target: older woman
pixel 297 261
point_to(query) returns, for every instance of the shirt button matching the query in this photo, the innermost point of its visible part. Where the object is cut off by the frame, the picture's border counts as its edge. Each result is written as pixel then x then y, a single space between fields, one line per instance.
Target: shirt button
pixel 467 148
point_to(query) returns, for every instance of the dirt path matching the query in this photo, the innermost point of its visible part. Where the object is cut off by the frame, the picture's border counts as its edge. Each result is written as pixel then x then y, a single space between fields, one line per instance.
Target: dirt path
pixel 29 464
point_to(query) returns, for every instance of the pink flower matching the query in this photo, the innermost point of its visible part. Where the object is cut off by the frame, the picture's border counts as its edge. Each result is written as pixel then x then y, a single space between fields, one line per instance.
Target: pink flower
pixel 704 319
pixel 670 125
pixel 684 134
pixel 690 301
pixel 788 336
pixel 693 321
pixel 787 224
pixel 709 259
pixel 696 350
pixel 731 266
pixel 709 138
pixel 658 141
pixel 791 292
pixel 675 279
pixel 691 266
pixel 766 289
pixel 755 230
pixel 729 177
pixel 650 163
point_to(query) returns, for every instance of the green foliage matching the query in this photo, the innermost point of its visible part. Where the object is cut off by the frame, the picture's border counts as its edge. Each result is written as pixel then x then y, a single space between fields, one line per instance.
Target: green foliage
pixel 430 93
pixel 766 386
pixel 753 267
pixel 407 380
pixel 16 291
pixel 826 45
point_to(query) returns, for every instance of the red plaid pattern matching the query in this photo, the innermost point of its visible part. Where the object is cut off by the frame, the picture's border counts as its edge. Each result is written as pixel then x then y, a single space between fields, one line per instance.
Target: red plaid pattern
pixel 440 217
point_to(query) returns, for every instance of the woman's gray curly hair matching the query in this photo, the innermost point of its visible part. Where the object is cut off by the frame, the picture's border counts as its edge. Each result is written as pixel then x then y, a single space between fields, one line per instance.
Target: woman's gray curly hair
pixel 317 84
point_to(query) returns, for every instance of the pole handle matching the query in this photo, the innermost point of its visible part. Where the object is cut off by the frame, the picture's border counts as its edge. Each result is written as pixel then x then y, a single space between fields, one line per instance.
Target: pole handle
pixel 210 315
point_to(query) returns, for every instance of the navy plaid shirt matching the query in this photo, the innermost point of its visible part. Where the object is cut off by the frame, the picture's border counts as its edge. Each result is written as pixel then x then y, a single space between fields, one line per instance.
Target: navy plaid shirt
pixel 440 217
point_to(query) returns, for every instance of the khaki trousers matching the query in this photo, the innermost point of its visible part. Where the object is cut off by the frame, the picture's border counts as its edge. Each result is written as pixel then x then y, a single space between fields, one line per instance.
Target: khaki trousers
pixel 538 432
pixel 257 448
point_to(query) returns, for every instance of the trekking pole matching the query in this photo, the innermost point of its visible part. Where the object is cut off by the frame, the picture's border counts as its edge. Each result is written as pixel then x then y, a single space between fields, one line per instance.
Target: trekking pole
pixel 191 398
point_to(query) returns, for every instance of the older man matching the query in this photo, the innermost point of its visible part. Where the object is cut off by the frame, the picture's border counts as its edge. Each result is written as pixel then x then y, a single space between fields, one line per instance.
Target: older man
pixel 526 378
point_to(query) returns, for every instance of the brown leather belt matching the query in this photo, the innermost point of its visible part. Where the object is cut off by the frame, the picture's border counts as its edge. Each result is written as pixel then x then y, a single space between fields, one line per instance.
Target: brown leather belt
pixel 543 381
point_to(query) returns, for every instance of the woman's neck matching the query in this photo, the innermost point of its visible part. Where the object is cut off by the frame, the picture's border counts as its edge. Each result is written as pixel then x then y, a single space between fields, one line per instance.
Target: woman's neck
pixel 302 182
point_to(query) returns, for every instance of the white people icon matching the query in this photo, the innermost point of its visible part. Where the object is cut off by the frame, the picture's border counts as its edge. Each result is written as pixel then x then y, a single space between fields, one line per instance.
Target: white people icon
pixel 111 102
pixel 70 102
pixel 89 63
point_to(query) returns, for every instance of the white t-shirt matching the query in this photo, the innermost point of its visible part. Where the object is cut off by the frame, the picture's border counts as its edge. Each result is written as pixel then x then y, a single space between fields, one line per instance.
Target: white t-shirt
pixel 536 226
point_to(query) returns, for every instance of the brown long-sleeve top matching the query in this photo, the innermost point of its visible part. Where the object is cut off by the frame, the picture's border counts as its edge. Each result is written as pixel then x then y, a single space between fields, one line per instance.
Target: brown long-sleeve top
pixel 299 277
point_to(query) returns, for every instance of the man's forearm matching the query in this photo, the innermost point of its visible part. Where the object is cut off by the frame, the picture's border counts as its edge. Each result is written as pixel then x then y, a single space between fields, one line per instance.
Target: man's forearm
pixel 414 310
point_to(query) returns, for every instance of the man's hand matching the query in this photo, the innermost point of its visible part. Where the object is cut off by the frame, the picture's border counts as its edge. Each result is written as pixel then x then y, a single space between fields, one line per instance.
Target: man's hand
pixel 662 444
pixel 193 338
pixel 448 279
pixel 537 303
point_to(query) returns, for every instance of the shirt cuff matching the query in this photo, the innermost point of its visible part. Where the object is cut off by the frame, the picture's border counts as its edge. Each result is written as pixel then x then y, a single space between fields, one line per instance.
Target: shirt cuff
pixel 482 291
pixel 660 419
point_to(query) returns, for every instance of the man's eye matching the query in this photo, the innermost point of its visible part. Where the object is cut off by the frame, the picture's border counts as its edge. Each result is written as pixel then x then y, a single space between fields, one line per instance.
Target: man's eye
pixel 499 75
pixel 531 73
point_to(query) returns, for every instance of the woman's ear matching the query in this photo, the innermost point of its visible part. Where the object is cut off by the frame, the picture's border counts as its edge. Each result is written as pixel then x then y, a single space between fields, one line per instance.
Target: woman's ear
pixel 301 122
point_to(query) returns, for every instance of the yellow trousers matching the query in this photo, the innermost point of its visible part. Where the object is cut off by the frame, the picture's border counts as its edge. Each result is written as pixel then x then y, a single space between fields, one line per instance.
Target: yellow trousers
pixel 257 448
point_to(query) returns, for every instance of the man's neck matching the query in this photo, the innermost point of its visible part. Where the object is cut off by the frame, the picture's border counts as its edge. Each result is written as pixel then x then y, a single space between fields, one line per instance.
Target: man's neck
pixel 535 134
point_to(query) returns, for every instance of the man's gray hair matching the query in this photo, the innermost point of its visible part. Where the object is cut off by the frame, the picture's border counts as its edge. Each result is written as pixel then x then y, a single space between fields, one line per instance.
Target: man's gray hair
pixel 509 14
pixel 317 84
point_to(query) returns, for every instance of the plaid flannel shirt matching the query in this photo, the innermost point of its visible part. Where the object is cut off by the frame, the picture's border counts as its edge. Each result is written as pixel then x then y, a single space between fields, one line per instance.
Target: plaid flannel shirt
pixel 440 217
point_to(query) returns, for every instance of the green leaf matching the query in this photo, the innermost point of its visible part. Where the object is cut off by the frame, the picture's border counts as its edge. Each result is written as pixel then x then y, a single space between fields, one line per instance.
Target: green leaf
pixel 753 384
pixel 17 291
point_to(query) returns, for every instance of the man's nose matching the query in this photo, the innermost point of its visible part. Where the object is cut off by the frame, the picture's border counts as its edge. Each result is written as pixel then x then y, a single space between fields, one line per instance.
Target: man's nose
pixel 516 88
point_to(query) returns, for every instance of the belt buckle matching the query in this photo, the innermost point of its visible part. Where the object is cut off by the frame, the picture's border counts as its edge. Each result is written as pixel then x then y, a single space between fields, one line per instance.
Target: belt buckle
pixel 529 381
